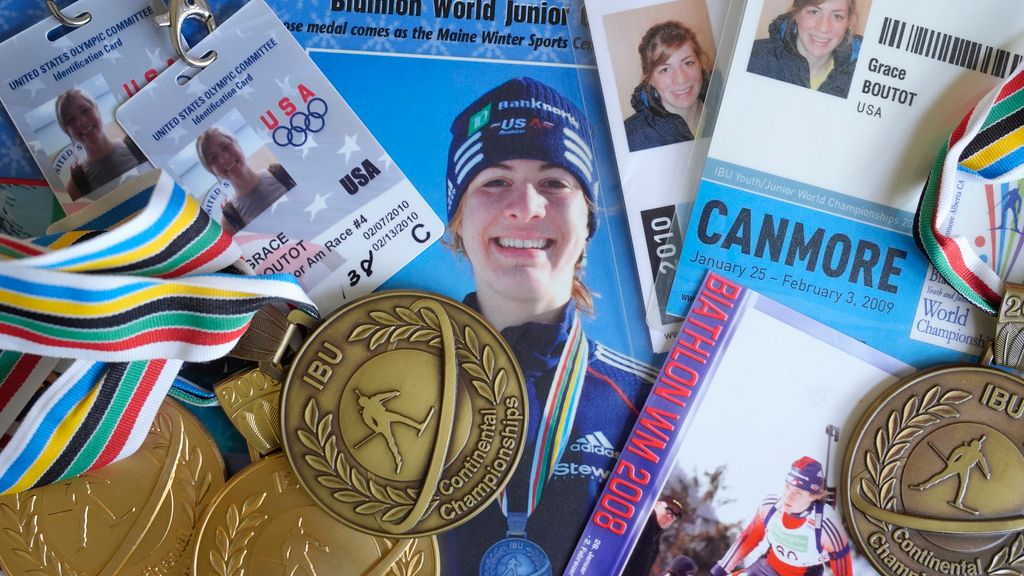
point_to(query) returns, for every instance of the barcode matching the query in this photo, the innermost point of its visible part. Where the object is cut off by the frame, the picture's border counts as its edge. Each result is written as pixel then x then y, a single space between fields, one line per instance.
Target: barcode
pixel 948 48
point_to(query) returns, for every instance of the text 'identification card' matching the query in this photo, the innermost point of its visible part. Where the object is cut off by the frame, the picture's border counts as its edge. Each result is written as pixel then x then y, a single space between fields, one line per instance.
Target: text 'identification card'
pixel 276 155
pixel 62 87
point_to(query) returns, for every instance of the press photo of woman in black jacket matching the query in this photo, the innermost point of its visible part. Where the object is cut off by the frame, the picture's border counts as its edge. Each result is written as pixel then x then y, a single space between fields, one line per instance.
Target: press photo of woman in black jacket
pixel 811 45
pixel 670 98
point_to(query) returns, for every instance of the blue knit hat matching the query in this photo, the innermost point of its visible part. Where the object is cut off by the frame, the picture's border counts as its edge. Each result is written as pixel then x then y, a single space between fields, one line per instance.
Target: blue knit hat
pixel 522 119
pixel 807 475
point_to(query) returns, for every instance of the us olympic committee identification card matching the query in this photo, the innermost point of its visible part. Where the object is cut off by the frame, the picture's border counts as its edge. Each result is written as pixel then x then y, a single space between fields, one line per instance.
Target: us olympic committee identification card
pixel 61 87
pixel 276 155
pixel 809 195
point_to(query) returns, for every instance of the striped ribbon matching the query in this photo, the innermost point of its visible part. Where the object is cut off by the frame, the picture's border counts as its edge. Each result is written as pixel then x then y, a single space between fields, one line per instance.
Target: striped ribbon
pixel 129 289
pixel 559 414
pixel 987 146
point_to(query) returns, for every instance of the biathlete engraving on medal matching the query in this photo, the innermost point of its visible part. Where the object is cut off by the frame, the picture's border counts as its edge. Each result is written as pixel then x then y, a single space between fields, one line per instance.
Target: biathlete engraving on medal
pixel 404 414
pixel 933 475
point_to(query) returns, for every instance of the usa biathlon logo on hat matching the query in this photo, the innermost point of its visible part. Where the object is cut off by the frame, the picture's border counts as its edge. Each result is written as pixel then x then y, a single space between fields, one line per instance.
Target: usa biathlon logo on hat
pixel 520 119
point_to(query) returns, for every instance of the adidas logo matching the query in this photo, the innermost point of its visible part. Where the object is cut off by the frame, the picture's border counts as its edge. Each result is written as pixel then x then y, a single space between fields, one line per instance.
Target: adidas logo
pixel 595 443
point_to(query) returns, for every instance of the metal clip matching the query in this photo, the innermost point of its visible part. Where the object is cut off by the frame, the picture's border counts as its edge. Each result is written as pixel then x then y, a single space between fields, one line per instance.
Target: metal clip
pixel 72 21
pixel 178 12
pixel 296 319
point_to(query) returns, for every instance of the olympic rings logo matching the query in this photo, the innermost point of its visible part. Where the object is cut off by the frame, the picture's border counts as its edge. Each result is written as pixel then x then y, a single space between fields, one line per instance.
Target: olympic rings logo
pixel 302 124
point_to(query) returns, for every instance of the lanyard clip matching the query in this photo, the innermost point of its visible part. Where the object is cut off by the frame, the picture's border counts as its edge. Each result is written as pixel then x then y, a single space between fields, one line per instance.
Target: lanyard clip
pixel 72 21
pixel 178 12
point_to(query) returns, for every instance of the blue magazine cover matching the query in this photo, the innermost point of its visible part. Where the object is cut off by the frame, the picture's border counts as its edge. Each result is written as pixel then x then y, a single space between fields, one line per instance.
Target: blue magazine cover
pixel 463 95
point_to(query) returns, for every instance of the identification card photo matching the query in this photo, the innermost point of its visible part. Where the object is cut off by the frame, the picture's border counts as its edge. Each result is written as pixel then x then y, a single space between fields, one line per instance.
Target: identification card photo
pixel 62 85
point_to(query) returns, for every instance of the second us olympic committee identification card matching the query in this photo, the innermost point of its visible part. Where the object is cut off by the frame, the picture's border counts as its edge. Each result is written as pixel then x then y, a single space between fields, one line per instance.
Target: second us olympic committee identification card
pixel 276 155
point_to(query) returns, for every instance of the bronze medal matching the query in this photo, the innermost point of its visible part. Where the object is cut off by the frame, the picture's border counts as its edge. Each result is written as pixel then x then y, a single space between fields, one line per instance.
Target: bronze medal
pixel 136 516
pixel 263 522
pixel 404 413
pixel 932 475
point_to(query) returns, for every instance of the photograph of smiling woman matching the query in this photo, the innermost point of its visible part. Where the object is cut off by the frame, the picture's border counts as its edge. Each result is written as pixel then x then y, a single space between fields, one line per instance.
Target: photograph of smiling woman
pixel 670 97
pixel 106 159
pixel 255 190
pixel 813 44
pixel 522 205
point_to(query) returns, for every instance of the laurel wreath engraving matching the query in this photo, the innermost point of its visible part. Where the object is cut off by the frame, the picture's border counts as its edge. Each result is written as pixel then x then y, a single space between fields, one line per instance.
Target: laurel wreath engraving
pixel 892 441
pixel 476 359
pixel 198 484
pixel 346 483
pixel 410 562
pixel 1009 561
pixel 33 548
pixel 232 542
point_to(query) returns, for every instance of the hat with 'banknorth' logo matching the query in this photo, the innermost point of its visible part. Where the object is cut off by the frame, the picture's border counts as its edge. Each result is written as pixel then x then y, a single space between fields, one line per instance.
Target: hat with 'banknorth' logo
pixel 522 119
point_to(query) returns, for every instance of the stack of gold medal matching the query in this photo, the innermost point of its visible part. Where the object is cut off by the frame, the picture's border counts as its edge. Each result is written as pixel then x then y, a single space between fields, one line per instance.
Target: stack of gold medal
pixel 402 415
pixel 137 516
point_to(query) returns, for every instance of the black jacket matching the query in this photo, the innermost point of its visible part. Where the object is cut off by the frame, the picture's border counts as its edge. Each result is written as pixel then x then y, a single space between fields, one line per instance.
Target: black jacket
pixel 614 389
pixel 646 551
pixel 650 127
pixel 777 57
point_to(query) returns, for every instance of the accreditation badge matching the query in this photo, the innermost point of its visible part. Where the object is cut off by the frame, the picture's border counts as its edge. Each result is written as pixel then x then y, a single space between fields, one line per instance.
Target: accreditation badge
pixel 61 86
pixel 276 154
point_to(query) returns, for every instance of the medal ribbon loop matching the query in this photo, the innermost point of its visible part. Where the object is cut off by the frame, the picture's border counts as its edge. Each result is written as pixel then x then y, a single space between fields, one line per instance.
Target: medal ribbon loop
pixel 558 417
pixel 130 293
pixel 987 146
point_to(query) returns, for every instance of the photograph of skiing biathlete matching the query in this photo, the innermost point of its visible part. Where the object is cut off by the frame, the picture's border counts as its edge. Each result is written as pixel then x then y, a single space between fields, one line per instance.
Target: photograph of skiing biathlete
pixel 794 531
pixel 800 527
pixel 754 476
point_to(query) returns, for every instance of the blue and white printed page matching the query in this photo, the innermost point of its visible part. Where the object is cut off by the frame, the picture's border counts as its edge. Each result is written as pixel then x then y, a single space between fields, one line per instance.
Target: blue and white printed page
pixel 808 195
pixel 15 158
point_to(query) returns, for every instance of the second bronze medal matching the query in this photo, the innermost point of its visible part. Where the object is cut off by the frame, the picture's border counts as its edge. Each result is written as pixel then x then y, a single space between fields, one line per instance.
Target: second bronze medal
pixel 404 414
pixel 933 471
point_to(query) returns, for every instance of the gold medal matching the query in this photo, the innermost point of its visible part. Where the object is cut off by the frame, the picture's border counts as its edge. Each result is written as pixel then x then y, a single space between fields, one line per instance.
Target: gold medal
pixel 263 522
pixel 136 516
pixel 404 414
pixel 933 475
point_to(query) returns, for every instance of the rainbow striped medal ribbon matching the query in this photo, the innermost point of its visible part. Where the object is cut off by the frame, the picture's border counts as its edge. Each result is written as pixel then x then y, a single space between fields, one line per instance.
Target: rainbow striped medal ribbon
pixel 128 290
pixel 552 440
pixel 985 149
